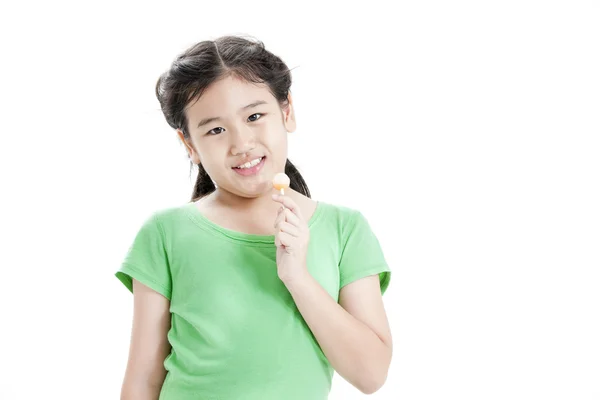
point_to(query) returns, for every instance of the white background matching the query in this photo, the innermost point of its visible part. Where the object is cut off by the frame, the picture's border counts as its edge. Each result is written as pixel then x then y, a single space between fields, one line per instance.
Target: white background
pixel 466 132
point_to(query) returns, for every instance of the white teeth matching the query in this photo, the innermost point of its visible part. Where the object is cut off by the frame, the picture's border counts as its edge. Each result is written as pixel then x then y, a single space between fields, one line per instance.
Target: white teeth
pixel 250 164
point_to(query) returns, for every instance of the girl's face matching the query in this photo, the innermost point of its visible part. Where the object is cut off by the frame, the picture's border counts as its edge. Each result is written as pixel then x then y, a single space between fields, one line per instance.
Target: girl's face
pixel 235 122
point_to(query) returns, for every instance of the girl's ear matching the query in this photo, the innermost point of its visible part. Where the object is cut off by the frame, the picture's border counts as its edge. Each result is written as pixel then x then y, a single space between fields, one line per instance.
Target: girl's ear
pixel 194 157
pixel 289 117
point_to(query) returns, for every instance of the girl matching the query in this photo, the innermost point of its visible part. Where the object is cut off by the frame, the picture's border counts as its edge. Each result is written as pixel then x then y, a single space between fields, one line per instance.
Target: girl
pixel 243 293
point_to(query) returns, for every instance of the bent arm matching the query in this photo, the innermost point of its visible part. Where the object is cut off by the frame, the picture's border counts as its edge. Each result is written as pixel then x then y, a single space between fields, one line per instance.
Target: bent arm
pixel 354 334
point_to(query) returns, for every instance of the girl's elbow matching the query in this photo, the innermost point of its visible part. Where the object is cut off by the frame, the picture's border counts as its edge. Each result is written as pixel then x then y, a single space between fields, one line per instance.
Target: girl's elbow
pixel 372 379
pixel 372 384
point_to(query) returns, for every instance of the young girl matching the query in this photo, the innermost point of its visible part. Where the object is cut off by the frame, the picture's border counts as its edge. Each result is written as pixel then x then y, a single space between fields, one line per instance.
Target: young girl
pixel 244 293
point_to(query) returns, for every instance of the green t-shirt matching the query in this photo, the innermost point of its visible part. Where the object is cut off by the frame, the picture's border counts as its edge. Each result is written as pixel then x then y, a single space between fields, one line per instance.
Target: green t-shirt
pixel 236 333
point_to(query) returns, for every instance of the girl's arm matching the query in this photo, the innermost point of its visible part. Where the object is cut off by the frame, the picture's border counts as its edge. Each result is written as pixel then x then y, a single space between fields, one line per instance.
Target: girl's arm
pixel 354 334
pixel 149 346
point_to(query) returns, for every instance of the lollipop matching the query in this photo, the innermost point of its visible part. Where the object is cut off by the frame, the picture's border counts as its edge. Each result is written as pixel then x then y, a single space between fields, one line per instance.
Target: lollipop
pixel 280 182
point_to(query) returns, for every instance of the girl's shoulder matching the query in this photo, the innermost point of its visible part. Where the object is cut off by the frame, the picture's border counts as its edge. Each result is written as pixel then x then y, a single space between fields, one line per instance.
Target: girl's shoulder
pixel 312 208
pixel 344 218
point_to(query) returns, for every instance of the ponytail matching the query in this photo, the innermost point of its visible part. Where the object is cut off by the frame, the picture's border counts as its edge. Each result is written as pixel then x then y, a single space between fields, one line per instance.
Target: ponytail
pixel 204 185
pixel 297 182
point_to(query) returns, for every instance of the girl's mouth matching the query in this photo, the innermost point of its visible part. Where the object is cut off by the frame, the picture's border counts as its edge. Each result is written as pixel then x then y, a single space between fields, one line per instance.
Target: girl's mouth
pixel 250 168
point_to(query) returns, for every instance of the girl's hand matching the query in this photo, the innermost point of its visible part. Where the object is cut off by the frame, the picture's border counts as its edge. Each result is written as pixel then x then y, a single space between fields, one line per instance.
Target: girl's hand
pixel 291 238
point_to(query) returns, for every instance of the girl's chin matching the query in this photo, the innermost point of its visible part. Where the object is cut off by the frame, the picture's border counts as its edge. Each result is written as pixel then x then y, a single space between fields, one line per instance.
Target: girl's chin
pixel 251 190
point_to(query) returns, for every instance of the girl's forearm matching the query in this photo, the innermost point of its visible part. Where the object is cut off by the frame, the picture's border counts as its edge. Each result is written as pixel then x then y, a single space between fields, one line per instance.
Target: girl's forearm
pixel 352 348
pixel 140 391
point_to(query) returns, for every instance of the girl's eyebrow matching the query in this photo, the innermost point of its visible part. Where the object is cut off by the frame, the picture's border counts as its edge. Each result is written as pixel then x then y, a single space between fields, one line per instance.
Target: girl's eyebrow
pixel 211 119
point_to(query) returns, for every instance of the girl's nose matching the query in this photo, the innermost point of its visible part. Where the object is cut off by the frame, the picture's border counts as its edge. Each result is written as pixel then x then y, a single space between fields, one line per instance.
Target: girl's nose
pixel 243 141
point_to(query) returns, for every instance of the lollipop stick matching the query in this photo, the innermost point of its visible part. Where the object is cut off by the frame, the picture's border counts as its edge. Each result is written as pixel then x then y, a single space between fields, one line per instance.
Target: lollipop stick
pixel 281 191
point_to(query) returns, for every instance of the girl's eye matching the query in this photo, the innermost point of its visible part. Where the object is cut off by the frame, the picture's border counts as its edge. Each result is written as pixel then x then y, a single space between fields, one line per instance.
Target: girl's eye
pixel 254 115
pixel 211 132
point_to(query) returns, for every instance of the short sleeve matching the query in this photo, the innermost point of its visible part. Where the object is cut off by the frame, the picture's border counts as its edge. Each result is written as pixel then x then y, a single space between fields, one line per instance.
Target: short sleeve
pixel 362 254
pixel 146 260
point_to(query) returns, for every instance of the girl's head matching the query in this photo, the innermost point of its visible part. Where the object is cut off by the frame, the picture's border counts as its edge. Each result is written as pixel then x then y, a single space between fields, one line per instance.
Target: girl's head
pixel 230 102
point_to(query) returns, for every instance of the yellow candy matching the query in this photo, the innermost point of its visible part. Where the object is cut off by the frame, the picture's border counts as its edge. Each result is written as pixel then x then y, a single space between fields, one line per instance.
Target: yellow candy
pixel 281 182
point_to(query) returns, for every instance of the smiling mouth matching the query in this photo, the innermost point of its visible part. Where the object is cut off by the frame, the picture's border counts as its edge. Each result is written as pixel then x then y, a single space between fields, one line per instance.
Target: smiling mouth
pixel 250 164
pixel 251 168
